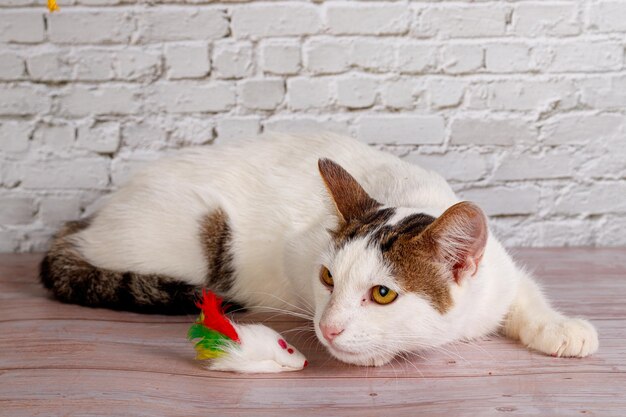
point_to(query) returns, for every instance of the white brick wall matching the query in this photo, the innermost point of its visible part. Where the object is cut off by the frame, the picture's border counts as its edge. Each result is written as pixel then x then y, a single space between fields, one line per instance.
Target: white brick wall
pixel 521 104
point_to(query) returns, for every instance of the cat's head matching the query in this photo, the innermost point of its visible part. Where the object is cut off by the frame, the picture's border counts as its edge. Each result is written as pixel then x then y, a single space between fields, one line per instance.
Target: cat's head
pixel 391 276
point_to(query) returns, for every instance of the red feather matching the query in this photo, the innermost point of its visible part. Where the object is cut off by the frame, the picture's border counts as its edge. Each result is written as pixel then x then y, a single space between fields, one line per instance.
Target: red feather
pixel 214 318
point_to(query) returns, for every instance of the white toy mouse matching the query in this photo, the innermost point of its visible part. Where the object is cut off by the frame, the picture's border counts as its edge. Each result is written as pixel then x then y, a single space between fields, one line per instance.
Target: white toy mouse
pixel 245 348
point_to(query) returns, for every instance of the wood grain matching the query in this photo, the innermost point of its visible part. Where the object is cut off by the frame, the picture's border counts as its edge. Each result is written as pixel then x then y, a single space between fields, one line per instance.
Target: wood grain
pixel 58 359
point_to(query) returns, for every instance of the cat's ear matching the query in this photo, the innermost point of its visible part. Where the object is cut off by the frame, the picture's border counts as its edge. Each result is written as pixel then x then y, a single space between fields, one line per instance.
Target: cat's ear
pixel 350 199
pixel 458 238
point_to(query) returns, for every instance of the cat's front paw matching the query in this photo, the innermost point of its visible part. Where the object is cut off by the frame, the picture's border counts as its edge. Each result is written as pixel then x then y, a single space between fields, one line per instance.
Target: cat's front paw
pixel 565 337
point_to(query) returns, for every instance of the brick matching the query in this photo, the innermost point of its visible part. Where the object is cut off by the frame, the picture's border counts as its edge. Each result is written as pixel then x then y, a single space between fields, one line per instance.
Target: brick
pixel 16 210
pixel 11 173
pixel 11 66
pixel 9 241
pixel 265 20
pixel 559 233
pixel 57 137
pixel 132 64
pixel 94 65
pixel 582 129
pixel 236 128
pixel 605 156
pixel 459 59
pixel 604 93
pixel 280 57
pixel 508 57
pixel 233 59
pixel 192 131
pixel 532 95
pixel 491 131
pixel 85 26
pixel 101 137
pixel 400 94
pixel 465 21
pixel 22 26
pixel 305 125
pixel 516 167
pixel 182 25
pixel 123 168
pixel 89 173
pixel 611 232
pixel 54 211
pixel 14 136
pixel 187 60
pixel 413 58
pixel 367 19
pixel 192 98
pixel 23 101
pixel 404 129
pixel 83 101
pixel 356 92
pixel 551 19
pixel 326 56
pixel 608 16
pixel 50 66
pixel 453 165
pixel 583 56
pixel 263 94
pixel 99 2
pixel 143 134
pixel 599 197
pixel 446 93
pixel 497 201
pixel 308 93
pixel 373 55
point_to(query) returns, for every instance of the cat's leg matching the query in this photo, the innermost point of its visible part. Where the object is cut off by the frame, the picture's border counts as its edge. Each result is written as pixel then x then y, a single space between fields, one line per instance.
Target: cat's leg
pixel 537 325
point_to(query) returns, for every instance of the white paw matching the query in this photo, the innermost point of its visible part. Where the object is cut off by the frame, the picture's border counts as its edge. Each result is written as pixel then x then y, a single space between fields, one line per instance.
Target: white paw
pixel 565 338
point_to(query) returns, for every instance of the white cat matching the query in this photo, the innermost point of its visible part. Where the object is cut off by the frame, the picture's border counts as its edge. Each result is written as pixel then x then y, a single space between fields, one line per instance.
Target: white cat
pixel 382 250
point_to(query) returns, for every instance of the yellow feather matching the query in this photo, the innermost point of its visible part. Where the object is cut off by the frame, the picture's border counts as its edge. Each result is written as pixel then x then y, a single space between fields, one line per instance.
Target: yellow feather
pixel 203 354
pixel 53 6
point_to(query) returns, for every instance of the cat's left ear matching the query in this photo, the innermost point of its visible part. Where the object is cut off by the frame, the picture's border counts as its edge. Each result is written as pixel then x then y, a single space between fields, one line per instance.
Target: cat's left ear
pixel 351 200
pixel 458 238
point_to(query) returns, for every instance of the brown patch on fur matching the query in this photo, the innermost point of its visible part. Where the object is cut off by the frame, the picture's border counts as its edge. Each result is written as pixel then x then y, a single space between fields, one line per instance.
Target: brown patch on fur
pixel 429 254
pixel 74 280
pixel 417 271
pixel 215 235
pixel 368 224
pixel 412 261
pixel 351 200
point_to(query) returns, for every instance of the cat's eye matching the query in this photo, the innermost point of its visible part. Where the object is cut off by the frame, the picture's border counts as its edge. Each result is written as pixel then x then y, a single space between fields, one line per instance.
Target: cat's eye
pixel 326 277
pixel 383 295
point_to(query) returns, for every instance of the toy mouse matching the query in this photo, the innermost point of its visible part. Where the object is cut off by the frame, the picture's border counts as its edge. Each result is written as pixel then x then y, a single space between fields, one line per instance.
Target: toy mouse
pixel 245 348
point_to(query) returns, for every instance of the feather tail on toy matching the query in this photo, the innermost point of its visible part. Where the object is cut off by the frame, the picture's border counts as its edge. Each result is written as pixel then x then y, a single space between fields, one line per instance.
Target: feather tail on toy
pixel 213 328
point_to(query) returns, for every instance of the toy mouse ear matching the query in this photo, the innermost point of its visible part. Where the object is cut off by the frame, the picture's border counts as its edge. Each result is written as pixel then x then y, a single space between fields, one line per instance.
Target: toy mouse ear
pixel 351 200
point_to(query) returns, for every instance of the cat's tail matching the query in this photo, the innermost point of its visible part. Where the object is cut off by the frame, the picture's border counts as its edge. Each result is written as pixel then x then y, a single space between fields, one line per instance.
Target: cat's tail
pixel 74 280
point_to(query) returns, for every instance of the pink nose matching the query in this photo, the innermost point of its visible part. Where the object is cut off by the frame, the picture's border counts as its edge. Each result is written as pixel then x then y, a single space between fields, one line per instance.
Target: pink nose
pixel 330 332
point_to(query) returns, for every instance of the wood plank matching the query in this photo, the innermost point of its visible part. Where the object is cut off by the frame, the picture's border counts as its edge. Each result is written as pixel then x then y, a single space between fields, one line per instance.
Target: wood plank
pixel 58 359
pixel 113 392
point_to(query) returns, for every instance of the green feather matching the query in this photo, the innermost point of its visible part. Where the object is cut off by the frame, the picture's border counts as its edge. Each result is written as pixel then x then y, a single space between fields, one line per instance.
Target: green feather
pixel 211 343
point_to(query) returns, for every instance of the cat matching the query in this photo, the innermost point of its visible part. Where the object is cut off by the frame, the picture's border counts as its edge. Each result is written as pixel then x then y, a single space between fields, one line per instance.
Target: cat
pixel 381 252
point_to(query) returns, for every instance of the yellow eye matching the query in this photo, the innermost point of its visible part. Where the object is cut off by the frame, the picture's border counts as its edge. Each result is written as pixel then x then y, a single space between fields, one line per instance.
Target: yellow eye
pixel 383 295
pixel 326 277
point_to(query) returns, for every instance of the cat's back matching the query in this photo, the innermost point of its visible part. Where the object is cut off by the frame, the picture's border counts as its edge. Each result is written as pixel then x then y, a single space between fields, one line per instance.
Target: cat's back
pixel 265 190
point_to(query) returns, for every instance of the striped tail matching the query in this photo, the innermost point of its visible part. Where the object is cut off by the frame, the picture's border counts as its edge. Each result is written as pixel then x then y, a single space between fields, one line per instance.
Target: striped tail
pixel 72 279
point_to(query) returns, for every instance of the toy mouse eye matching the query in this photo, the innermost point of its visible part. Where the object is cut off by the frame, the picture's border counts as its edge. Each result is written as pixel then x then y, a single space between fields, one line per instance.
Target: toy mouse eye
pixel 326 277
pixel 383 295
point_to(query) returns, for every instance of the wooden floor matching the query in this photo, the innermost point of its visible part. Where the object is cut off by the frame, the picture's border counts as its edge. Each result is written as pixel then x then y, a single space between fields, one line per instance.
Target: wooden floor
pixel 60 359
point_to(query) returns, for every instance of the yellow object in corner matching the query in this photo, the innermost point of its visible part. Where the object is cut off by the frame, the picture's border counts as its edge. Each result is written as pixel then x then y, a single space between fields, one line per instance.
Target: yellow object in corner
pixel 53 6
